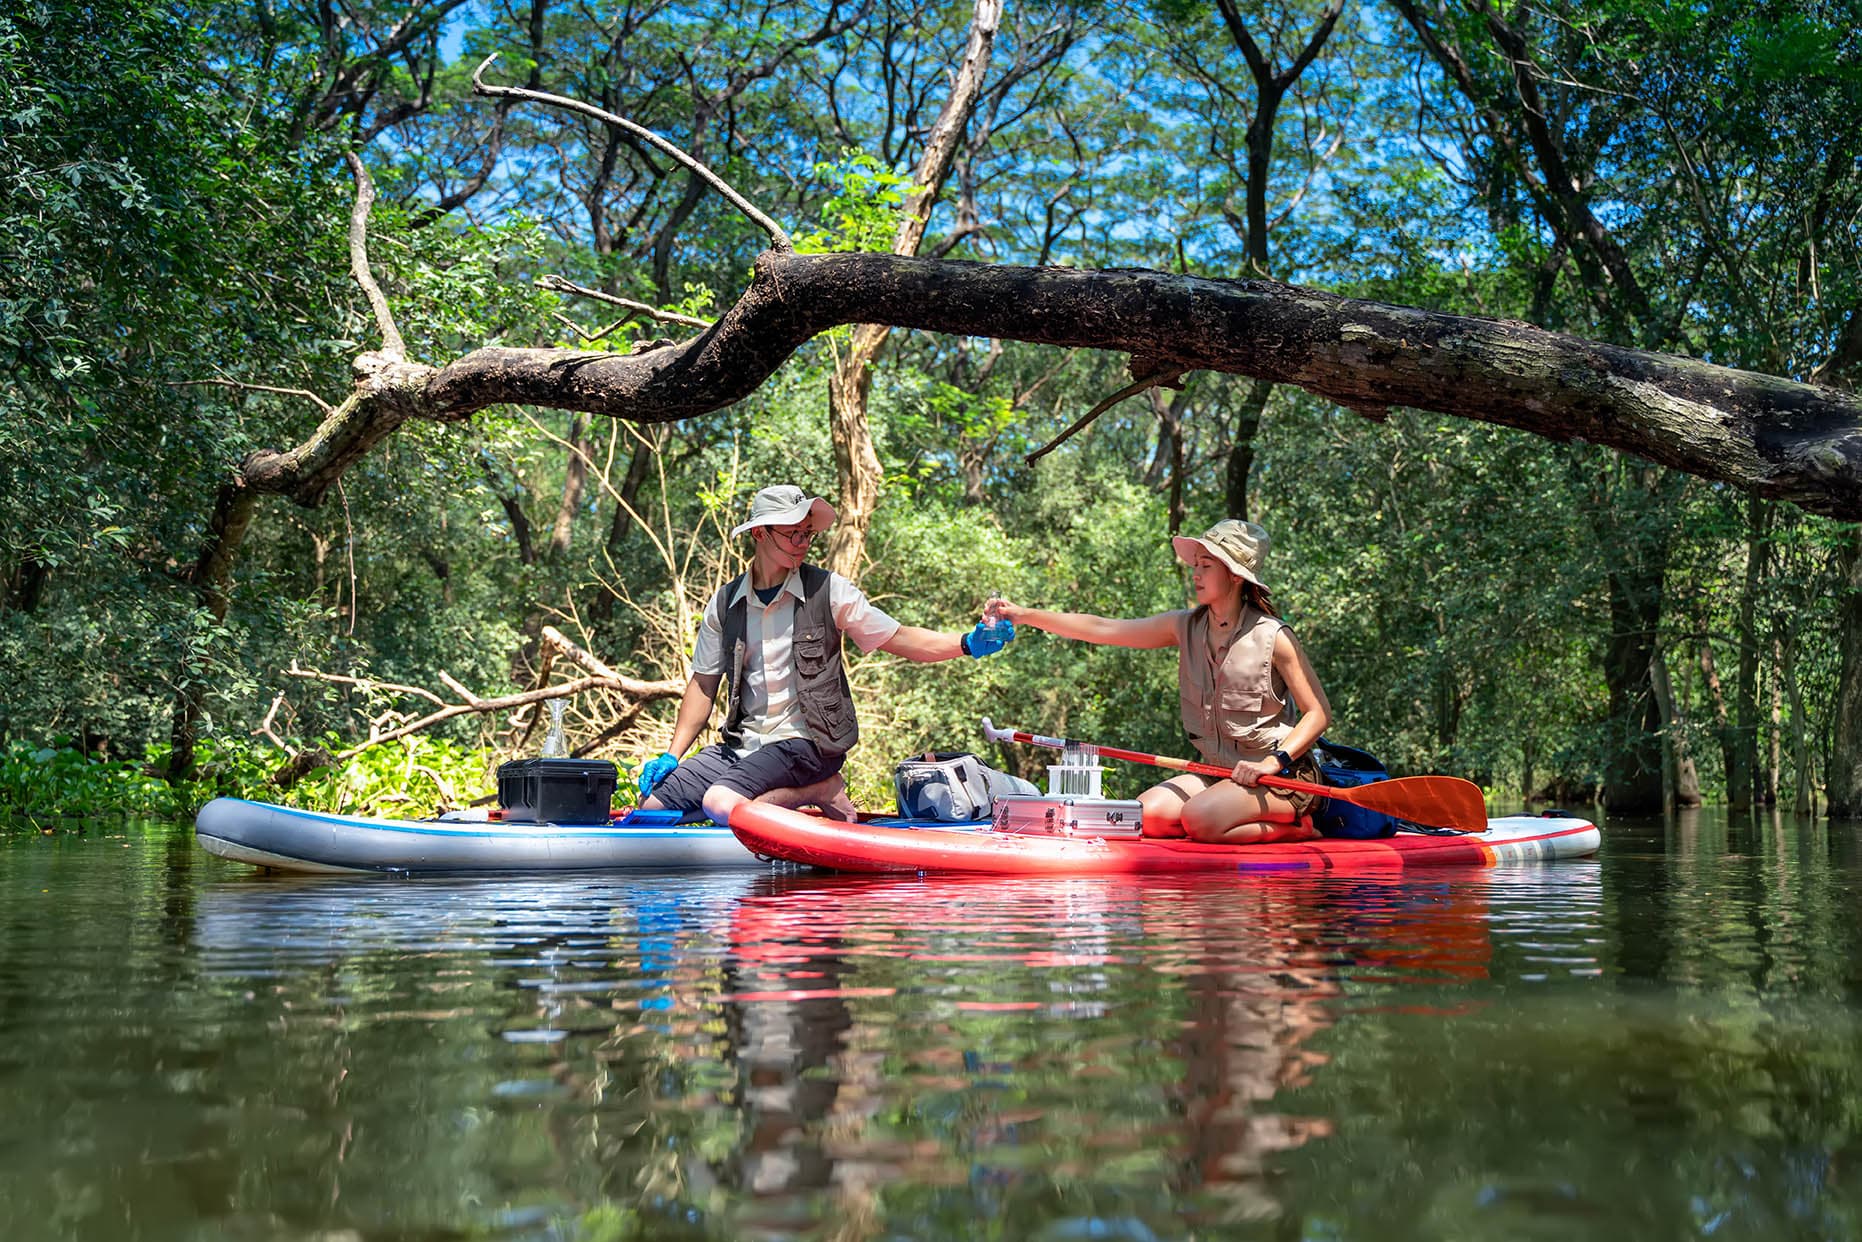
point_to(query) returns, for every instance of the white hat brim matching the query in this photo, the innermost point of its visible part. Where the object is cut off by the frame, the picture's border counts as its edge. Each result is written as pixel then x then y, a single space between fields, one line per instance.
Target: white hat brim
pixel 1187 546
pixel 820 515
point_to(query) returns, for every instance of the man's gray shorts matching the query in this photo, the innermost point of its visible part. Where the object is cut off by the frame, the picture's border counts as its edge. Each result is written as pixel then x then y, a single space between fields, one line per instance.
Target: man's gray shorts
pixel 788 764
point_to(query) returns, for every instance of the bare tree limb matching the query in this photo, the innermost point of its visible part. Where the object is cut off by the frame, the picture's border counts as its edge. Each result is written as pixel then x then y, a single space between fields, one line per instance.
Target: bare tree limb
pixel 1156 379
pixel 266 731
pixel 391 344
pixel 637 695
pixel 452 683
pixel 638 310
pixel 1769 435
pixel 587 337
pixel 312 397
pixel 367 685
pixel 778 239
pixel 478 706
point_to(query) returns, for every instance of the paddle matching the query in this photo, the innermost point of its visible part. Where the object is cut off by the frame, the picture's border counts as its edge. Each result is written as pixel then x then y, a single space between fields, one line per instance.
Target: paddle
pixel 1435 801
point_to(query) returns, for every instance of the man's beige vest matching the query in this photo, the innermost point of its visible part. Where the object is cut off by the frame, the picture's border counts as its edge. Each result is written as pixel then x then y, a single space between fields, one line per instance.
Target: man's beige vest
pixel 820 678
pixel 1234 703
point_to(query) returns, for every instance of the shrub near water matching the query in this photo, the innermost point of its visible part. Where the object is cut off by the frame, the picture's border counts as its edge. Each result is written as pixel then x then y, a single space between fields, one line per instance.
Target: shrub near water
pixel 412 778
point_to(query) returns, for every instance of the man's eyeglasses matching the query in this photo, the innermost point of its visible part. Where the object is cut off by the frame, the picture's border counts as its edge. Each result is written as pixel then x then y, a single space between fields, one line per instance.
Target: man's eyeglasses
pixel 794 534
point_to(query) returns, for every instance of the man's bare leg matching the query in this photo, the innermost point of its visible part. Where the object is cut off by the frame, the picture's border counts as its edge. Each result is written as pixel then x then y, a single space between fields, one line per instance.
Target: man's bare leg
pixel 828 795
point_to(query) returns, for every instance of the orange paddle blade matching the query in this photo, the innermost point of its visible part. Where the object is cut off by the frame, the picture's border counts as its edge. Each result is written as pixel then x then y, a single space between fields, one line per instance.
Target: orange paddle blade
pixel 1433 801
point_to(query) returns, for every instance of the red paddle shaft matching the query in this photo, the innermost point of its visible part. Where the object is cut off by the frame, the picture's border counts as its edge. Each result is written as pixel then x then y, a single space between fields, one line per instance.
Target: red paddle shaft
pixel 1444 801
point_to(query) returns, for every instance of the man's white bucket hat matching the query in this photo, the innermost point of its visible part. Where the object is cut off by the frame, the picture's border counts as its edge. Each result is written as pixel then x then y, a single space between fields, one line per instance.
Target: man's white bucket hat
pixel 787 505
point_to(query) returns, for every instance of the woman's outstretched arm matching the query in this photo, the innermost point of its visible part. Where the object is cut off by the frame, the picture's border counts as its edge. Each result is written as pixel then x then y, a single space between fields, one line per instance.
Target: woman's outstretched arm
pixel 1154 631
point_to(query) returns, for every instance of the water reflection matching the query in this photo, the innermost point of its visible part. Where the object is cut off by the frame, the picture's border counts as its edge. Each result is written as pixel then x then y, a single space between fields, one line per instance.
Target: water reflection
pixel 794 1054
pixel 1662 1043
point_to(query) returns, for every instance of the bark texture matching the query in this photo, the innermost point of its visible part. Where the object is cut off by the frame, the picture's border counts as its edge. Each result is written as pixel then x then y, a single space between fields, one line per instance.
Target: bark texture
pixel 1770 436
pixel 1845 772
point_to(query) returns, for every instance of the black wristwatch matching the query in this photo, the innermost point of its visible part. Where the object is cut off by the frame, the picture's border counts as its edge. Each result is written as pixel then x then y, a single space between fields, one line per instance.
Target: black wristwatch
pixel 1286 761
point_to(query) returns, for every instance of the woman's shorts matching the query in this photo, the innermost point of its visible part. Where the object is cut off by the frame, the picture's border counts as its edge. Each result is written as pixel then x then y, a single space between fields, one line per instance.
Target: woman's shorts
pixel 1305 768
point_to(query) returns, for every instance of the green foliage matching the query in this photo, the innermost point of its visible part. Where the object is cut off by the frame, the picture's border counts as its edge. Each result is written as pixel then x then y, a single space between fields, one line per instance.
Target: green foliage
pixel 862 207
pixel 175 210
pixel 411 778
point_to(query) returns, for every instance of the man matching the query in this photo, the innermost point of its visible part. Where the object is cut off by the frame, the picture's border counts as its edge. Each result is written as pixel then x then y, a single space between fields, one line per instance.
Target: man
pixel 776 632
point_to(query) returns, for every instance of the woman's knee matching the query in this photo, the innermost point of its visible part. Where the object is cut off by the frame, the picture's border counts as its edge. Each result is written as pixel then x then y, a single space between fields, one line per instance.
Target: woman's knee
pixel 1204 822
pixel 1216 814
pixel 1161 810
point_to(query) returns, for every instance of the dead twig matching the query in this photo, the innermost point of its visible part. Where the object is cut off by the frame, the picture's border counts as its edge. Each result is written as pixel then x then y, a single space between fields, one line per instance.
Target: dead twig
pixel 637 694
pixel 1166 378
pixel 636 310
pixel 216 382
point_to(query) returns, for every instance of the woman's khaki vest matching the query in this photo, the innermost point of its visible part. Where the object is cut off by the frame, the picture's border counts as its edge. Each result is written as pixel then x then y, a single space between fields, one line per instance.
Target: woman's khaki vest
pixel 1234 704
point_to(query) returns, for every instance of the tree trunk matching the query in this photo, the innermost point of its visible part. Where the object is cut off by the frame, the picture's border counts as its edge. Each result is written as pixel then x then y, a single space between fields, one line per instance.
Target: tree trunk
pixel 1241 452
pixel 1270 88
pixel 211 577
pixel 1633 768
pixel 1680 777
pixel 1168 459
pixel 1722 717
pixel 1844 775
pixel 1742 773
pixel 856 460
pixel 1775 752
pixel 1801 803
pixel 575 481
pixel 25 586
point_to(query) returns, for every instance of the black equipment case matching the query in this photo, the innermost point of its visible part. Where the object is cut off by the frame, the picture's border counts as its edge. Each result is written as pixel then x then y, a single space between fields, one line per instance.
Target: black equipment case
pixel 556 791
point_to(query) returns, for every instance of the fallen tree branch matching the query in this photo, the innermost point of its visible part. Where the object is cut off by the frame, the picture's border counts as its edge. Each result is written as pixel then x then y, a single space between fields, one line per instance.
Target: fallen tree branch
pixel 637 695
pixel 367 685
pixel 1770 436
pixel 449 711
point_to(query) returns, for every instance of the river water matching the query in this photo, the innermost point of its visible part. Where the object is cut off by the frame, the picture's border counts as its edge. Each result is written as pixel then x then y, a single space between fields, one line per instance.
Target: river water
pixel 1659 1043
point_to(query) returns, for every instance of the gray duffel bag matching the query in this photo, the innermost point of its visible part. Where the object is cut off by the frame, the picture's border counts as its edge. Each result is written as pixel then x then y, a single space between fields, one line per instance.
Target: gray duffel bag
pixel 952 787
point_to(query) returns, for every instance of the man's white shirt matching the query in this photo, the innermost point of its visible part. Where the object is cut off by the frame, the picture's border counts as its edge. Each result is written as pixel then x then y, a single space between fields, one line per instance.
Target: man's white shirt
pixel 772 710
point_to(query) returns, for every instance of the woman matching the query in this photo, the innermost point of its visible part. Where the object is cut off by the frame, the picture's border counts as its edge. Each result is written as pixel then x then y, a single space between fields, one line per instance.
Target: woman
pixel 1238 670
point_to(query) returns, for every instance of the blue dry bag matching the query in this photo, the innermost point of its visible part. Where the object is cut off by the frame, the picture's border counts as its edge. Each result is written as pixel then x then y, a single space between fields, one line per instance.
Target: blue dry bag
pixel 1346 766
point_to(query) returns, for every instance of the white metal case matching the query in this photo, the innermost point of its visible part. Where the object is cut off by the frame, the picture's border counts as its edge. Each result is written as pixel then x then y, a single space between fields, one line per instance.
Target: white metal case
pixel 1044 815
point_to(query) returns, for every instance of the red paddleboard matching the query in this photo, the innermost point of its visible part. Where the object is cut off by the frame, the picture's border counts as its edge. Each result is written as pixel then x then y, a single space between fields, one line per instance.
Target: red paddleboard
pixel 789 835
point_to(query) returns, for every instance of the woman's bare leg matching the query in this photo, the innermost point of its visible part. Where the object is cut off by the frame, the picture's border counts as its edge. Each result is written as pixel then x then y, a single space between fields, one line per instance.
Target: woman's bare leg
pixel 1163 804
pixel 1229 814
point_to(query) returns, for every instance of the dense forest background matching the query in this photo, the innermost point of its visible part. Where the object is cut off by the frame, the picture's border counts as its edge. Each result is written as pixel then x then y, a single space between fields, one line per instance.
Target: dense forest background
pixel 1556 620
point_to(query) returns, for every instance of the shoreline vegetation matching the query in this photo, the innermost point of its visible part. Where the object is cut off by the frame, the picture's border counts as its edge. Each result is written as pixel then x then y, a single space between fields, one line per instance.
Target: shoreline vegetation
pixel 353 351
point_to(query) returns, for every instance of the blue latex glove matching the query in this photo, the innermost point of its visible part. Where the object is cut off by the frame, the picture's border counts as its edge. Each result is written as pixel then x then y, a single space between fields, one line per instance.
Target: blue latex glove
pixel 653 771
pixel 987 639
